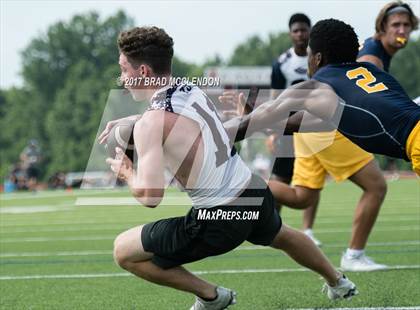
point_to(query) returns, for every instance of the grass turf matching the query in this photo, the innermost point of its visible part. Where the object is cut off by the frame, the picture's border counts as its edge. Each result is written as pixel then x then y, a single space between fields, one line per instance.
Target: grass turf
pixel 46 234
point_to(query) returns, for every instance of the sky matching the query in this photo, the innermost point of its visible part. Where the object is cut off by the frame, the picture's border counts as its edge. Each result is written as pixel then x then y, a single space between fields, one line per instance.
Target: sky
pixel 200 29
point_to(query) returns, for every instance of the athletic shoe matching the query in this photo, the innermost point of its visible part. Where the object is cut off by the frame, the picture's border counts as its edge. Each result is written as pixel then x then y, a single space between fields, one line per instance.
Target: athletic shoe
pixel 360 263
pixel 225 298
pixel 345 289
pixel 314 240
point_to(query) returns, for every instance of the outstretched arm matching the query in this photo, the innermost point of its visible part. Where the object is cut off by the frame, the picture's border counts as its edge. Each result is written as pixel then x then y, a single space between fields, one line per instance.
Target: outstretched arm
pixel 317 99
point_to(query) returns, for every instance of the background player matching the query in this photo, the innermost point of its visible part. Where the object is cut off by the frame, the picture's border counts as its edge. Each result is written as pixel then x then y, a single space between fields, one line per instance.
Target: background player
pixel 31 158
pixel 291 68
pixel 393 26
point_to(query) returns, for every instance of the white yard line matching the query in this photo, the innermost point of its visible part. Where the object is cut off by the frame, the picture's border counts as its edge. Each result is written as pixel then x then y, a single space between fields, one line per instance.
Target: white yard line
pixel 183 201
pixel 240 248
pixel 58 193
pixel 35 209
pixel 123 226
pixel 201 272
pixel 45 239
pixel 89 192
pixel 128 201
pixel 111 237
pixel 46 223
pixel 102 220
pixel 49 254
pixel 100 227
pixel 16 214
pixel 334 245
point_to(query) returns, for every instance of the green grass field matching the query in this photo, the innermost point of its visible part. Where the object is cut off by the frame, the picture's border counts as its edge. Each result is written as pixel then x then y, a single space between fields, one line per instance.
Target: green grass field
pixel 56 255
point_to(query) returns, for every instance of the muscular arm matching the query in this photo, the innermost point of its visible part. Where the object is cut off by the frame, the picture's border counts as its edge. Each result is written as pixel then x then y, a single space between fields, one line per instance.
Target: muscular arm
pixel 372 59
pixel 305 122
pixel 317 99
pixel 148 183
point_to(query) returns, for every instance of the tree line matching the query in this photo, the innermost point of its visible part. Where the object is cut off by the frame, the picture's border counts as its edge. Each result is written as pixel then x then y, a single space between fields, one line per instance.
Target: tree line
pixel 67 74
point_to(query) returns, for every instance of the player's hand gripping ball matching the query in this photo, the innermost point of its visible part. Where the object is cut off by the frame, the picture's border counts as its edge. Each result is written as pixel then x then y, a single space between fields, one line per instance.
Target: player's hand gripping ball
pixel 121 136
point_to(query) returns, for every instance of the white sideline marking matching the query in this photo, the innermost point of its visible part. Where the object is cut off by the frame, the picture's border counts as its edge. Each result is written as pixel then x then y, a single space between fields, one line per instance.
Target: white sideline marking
pixel 123 226
pixel 129 201
pixel 87 238
pixel 362 308
pixel 376 229
pixel 58 193
pixel 227 271
pixel 34 209
pixel 90 192
pixel 100 227
pixel 42 254
pixel 75 222
pixel 4 223
pixel 42 239
pixel 332 245
pixel 240 248
pixel 174 200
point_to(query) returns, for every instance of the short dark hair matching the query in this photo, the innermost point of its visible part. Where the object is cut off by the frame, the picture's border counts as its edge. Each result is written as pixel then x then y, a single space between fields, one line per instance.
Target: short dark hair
pixel 382 17
pixel 335 40
pixel 299 18
pixel 150 45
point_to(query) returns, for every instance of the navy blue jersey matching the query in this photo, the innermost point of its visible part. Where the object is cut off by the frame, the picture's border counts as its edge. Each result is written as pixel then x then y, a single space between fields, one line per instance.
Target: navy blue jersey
pixel 377 113
pixel 375 48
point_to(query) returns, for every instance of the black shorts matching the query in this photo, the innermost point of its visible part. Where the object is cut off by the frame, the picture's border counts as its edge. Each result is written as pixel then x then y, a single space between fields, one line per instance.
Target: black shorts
pixel 180 240
pixel 283 168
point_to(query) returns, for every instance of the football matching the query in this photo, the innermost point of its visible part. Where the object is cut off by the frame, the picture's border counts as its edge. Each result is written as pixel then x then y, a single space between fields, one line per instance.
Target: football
pixel 121 136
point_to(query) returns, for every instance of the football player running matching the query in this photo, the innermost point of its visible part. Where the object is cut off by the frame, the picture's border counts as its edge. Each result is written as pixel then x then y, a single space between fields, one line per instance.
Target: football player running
pixel 181 131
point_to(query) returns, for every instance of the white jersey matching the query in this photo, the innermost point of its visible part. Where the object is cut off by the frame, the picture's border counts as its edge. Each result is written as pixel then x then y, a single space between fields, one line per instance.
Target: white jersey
pixel 289 69
pixel 223 174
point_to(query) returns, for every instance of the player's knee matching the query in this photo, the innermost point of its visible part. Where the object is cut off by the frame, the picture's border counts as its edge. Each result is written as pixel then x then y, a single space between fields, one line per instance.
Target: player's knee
pixel 305 197
pixel 284 238
pixel 305 200
pixel 383 187
pixel 380 188
pixel 120 252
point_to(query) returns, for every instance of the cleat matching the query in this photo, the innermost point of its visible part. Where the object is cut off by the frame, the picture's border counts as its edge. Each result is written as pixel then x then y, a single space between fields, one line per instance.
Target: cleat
pixel 345 289
pixel 225 298
pixel 360 263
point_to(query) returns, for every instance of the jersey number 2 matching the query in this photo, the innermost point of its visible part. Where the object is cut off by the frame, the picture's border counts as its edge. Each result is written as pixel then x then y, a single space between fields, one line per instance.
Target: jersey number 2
pixel 367 80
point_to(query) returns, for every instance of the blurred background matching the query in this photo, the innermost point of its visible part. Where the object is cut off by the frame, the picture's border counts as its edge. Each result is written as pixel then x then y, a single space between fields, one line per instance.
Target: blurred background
pixel 59 64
